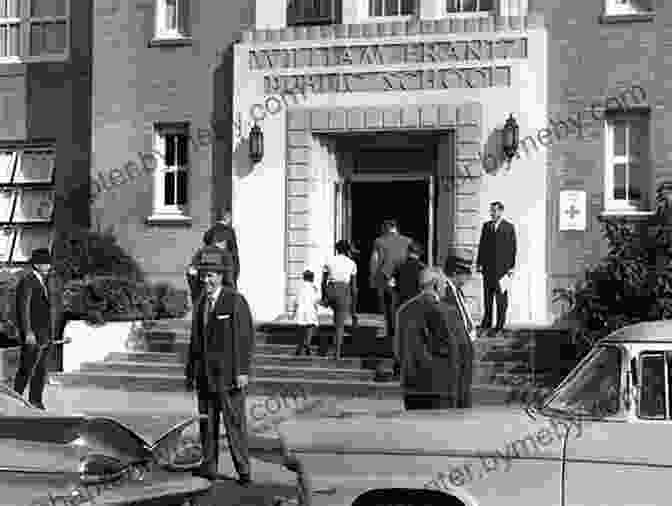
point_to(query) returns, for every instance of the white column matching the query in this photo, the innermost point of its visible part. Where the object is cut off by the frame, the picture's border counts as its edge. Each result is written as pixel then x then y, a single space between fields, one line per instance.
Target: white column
pixel 271 15
pixel 432 9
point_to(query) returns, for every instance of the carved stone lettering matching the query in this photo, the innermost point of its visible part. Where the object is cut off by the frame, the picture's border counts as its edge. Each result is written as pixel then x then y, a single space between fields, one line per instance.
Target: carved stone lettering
pixel 377 54
pixel 371 55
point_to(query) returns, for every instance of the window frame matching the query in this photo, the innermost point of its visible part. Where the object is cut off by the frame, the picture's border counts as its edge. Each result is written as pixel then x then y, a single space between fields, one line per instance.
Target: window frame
pixel 182 19
pixel 625 206
pixel 391 17
pixel 26 21
pixel 160 208
pixel 294 18
pixel 640 359
pixel 612 8
pixel 18 190
pixel 462 12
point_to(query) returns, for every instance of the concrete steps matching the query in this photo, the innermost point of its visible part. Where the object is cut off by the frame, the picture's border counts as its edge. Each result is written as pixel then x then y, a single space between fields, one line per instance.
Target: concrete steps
pixel 501 362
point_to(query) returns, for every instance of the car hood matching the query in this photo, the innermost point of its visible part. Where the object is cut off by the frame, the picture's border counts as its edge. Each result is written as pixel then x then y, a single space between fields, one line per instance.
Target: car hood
pixel 463 432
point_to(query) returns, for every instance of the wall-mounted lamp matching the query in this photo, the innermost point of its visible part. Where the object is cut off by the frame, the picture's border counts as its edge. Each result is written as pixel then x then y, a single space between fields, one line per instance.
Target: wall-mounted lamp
pixel 510 138
pixel 256 144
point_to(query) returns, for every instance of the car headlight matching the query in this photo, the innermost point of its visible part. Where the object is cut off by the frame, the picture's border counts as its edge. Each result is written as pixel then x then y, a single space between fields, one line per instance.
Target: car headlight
pixel 100 469
pixel 180 448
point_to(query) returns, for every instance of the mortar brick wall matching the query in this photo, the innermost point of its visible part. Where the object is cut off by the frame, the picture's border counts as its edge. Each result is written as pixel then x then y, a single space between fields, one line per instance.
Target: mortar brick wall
pixel 588 61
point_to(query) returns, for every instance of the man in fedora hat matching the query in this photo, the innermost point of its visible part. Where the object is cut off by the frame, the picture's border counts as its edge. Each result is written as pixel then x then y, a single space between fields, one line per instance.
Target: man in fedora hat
pixel 218 363
pixel 34 326
pixel 459 269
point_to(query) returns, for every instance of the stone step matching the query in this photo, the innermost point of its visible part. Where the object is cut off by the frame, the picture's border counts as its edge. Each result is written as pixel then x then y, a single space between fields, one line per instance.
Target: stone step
pixel 259 359
pixel 259 386
pixel 280 372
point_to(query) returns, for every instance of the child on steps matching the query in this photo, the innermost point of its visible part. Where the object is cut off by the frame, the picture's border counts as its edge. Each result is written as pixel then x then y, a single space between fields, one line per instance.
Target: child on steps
pixel 305 312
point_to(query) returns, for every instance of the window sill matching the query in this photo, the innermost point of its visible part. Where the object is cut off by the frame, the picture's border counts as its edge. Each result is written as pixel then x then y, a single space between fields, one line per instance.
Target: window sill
pixel 627 18
pixel 169 219
pixel 171 41
pixel 627 213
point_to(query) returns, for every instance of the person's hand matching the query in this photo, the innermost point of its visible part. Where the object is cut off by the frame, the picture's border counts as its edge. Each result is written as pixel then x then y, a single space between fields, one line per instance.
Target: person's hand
pixel 191 270
pixel 391 283
pixel 31 340
pixel 241 381
pixel 510 273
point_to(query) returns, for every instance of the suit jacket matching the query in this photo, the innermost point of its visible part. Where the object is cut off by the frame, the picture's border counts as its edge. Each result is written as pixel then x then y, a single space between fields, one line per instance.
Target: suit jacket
pixel 497 249
pixel 429 345
pixel 408 278
pixel 34 309
pixel 223 350
pixel 389 252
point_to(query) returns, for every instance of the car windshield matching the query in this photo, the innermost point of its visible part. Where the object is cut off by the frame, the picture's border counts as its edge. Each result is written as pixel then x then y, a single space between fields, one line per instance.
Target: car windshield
pixel 593 388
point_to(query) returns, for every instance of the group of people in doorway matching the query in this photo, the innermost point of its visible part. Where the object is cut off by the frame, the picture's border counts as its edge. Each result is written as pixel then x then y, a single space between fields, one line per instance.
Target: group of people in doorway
pixel 424 307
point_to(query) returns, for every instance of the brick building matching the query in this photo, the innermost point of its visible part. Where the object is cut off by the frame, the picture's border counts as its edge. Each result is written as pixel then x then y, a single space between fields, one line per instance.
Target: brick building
pixel 368 109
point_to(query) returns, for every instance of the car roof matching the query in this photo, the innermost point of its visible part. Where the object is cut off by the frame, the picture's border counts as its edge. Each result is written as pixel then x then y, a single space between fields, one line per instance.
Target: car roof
pixel 656 331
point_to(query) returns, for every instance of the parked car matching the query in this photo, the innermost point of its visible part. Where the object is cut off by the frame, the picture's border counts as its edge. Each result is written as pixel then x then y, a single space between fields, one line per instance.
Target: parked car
pixel 601 437
pixel 49 460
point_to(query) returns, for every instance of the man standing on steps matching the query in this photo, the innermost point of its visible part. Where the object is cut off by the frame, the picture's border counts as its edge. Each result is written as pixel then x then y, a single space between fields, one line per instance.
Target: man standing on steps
pixel 218 364
pixel 389 252
pixel 496 260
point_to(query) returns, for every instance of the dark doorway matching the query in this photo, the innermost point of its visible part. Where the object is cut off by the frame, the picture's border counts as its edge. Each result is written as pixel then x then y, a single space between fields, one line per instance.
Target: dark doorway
pixel 372 203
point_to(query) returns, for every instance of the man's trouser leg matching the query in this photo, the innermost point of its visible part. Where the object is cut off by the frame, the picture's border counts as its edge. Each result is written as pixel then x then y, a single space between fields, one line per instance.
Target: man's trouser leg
pixel 208 404
pixel 233 412
pixel 502 299
pixel 488 295
pixel 39 379
pixel 26 364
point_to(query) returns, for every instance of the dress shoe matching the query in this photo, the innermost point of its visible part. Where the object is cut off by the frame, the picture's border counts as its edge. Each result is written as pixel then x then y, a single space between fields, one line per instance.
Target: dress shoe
pixel 245 480
pixel 39 405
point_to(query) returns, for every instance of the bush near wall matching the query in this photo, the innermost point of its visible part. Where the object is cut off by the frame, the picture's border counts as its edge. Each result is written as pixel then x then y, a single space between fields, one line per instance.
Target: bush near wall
pixel 631 284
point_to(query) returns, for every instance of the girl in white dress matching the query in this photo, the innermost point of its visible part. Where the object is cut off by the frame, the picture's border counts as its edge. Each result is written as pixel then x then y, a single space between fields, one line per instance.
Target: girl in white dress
pixel 305 312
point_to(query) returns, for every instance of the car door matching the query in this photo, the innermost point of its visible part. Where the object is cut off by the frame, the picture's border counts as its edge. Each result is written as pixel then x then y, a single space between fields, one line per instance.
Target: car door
pixel 626 458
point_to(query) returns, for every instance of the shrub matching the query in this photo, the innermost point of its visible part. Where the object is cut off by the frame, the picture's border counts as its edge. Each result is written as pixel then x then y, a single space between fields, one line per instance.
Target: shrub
pixel 107 298
pixel 83 254
pixel 632 283
pixel 170 301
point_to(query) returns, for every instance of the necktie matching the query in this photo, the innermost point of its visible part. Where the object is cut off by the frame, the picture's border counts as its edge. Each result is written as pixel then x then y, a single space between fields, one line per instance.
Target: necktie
pixel 206 311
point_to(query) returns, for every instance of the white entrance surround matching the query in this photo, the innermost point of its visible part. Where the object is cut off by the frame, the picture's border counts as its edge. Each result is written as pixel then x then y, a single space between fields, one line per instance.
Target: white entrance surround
pixel 283 205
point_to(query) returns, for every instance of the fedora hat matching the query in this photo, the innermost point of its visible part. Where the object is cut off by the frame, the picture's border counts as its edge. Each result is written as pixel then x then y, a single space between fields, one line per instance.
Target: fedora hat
pixel 40 256
pixel 213 259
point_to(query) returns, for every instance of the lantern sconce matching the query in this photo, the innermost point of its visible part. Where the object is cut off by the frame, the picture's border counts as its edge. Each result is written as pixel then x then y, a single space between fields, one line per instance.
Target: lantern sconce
pixel 510 138
pixel 256 144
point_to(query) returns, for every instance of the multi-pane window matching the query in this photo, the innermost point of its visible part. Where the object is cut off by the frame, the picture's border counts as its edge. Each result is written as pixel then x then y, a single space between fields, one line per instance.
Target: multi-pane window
pixel 26 201
pixel 628 7
pixel 457 6
pixel 313 12
pixel 627 162
pixel 172 148
pixel 172 18
pixel 34 29
pixel 379 8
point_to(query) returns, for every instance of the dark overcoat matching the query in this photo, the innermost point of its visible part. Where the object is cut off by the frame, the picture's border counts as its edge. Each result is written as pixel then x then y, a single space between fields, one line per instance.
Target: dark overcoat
pixel 430 352
pixel 408 278
pixel 33 309
pixel 223 350
pixel 497 249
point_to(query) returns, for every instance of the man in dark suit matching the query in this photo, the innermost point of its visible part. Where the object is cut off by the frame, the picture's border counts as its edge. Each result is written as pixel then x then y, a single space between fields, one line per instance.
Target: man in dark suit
pixel 218 364
pixel 389 251
pixel 430 352
pixel 496 259
pixel 407 277
pixel 34 326
pixel 458 269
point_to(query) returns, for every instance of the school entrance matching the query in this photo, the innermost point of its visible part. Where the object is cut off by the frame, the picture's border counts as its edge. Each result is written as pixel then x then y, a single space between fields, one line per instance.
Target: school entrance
pixel 393 176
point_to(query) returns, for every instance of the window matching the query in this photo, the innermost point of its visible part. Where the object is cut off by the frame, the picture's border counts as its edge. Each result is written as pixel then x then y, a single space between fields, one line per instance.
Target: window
pixel 652 402
pixel 313 12
pixel 627 177
pixel 26 201
pixel 172 150
pixel 463 6
pixel 34 29
pixel 172 19
pixel 380 8
pixel 628 7
pixel 593 389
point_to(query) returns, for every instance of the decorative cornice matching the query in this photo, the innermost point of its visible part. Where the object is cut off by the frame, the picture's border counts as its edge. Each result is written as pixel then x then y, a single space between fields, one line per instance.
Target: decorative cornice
pixel 444 26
